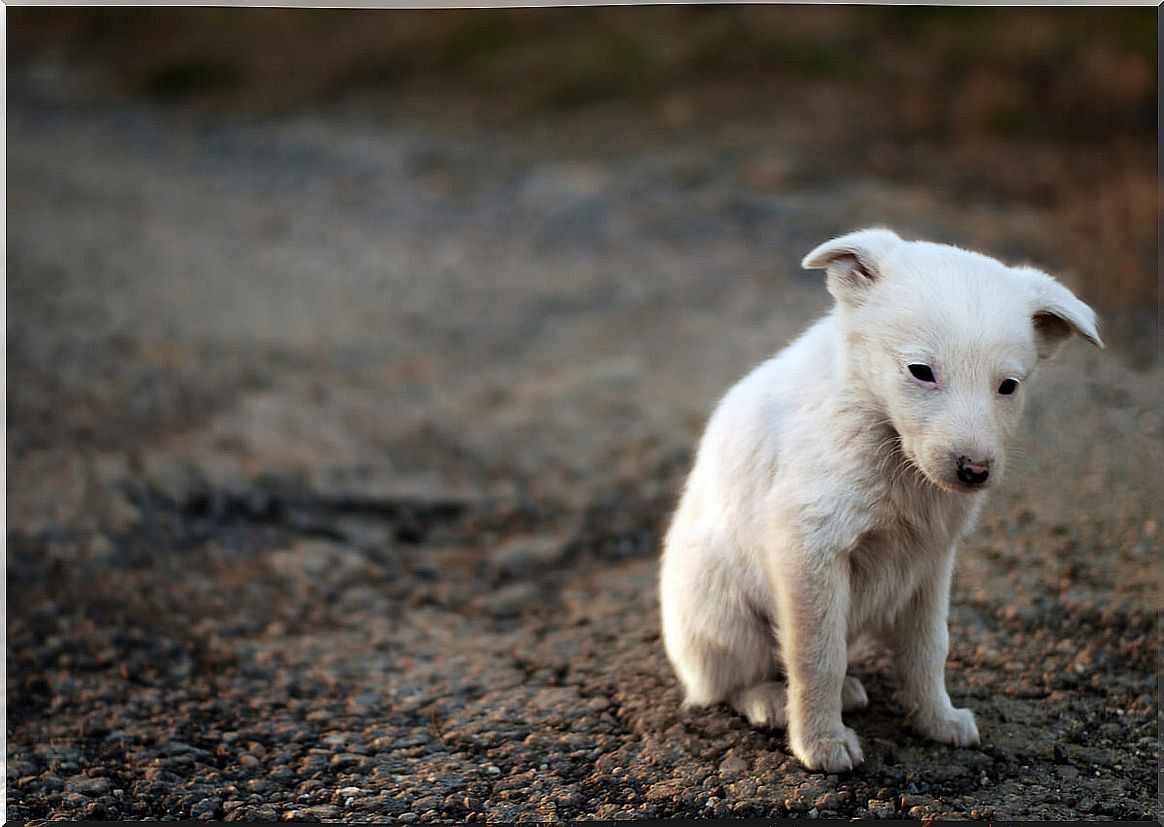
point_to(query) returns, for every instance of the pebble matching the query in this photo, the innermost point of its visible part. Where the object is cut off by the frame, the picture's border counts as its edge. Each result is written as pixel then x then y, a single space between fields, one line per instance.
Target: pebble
pixel 828 801
pixel 664 790
pixel 795 805
pixel 880 809
pixel 50 783
pixel 426 803
pixel 733 765
pixel 208 809
pixel 301 815
pixel 16 769
pixel 92 787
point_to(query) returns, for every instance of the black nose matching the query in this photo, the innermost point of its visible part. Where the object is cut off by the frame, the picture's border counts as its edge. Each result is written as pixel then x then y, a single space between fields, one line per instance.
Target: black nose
pixel 972 473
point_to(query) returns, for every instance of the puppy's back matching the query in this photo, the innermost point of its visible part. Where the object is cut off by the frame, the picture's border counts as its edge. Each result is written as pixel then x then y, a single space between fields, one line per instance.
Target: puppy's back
pixel 778 401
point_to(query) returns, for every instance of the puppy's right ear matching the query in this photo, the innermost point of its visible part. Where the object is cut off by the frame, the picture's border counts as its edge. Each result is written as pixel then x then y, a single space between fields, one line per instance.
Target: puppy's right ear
pixel 852 262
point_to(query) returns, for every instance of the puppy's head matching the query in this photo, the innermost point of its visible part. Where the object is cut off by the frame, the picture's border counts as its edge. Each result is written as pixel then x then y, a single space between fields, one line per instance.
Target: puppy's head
pixel 942 342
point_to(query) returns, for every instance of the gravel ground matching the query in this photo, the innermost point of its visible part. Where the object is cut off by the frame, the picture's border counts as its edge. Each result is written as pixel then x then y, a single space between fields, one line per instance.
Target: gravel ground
pixel 339 448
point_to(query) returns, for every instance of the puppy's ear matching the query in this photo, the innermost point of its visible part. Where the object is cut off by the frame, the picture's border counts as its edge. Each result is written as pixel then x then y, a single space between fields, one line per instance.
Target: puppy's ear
pixel 1057 313
pixel 852 262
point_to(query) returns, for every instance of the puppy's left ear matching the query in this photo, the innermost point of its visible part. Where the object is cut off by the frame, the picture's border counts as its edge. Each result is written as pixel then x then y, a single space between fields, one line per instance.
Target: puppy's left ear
pixel 1057 314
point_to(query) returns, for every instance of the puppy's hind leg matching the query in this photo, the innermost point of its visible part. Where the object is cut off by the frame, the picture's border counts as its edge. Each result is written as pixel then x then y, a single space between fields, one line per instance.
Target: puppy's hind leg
pixel 853 695
pixel 714 640
pixel 724 658
pixel 716 670
pixel 763 704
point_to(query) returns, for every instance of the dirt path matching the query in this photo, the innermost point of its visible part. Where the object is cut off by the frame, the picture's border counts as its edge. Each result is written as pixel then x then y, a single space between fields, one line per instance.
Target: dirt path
pixel 339 449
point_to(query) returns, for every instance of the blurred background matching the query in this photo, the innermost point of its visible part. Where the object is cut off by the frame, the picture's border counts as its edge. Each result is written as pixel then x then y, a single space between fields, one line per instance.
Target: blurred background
pixel 452 184
pixel 354 356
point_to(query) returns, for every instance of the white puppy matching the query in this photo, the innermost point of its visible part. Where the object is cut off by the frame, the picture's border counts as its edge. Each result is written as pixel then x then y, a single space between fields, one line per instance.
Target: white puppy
pixel 835 480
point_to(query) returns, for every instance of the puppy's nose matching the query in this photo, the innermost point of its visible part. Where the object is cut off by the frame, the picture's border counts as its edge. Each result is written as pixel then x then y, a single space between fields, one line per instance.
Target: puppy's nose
pixel 972 473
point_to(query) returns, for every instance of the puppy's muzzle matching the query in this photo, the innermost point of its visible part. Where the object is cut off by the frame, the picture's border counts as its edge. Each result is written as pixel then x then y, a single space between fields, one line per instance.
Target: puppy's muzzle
pixel 971 472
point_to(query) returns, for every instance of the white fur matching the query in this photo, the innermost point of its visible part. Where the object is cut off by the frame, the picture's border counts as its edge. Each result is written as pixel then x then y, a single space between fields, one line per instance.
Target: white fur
pixel 825 504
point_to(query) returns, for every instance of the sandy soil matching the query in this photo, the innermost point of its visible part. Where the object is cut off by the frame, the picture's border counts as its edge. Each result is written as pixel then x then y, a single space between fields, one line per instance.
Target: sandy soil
pixel 340 444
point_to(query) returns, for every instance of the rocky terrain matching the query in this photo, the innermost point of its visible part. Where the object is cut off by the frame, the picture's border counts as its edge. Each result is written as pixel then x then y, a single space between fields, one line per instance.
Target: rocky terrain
pixel 340 443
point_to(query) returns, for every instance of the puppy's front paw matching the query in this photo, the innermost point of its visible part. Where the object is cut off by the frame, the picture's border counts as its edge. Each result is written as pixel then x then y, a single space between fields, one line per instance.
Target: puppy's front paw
pixel 955 727
pixel 839 751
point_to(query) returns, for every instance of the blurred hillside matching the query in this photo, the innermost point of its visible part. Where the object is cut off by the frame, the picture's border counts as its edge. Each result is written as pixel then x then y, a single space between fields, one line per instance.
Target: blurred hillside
pixel 1055 108
pixel 1086 74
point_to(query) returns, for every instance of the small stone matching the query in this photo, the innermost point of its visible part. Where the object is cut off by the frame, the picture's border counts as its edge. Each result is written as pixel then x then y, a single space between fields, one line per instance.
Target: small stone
pixel 16 769
pixel 208 809
pixel 733 765
pixel 408 818
pixel 49 783
pixel 795 805
pixel 248 761
pixel 828 801
pixel 319 812
pixel 492 769
pixel 92 787
pixel 664 791
pixel 426 803
pixel 881 809
pixel 299 815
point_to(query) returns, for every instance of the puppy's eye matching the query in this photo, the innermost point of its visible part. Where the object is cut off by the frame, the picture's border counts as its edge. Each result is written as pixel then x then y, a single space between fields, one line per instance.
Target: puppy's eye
pixel 1008 387
pixel 922 373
